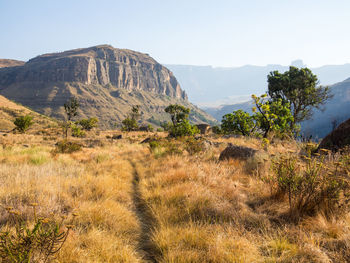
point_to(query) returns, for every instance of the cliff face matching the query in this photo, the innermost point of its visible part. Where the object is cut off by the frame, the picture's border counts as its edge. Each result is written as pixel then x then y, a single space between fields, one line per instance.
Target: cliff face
pixel 106 81
pixel 100 65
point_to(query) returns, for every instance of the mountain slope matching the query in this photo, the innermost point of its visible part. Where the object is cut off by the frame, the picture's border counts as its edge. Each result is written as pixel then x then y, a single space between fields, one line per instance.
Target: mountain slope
pixel 107 82
pixel 9 111
pixel 10 63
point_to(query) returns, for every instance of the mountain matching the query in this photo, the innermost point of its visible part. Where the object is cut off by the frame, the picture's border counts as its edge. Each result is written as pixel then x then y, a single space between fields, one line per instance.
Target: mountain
pixel 10 63
pixel 211 87
pixel 107 82
pixel 335 111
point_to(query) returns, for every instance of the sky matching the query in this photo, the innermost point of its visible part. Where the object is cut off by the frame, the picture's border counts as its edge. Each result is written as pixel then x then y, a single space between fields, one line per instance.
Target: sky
pixel 221 33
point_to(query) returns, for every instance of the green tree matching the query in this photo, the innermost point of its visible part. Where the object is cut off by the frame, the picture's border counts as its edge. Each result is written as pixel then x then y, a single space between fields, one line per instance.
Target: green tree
pixel 23 123
pixel 272 115
pixel 71 109
pixel 130 123
pixel 180 123
pixel 238 122
pixel 88 124
pixel 298 87
pixel 178 113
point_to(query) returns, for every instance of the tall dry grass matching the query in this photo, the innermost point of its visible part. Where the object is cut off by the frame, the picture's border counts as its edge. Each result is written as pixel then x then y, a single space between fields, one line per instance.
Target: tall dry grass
pixel 133 206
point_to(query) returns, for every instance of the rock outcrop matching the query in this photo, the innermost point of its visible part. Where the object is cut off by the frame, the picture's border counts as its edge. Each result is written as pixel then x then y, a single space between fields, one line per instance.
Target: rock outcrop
pixel 99 65
pixel 106 81
pixel 337 139
pixel 237 152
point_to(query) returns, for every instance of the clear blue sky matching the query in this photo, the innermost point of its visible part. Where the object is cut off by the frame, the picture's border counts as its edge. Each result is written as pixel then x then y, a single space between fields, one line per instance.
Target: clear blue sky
pixel 197 32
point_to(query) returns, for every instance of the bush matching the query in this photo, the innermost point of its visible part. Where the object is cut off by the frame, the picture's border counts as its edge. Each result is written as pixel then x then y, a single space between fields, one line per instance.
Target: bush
pixel 129 124
pixel 217 129
pixel 38 243
pixel 23 123
pixel 77 132
pixel 238 122
pixel 183 128
pixel 88 124
pixel 311 185
pixel 67 147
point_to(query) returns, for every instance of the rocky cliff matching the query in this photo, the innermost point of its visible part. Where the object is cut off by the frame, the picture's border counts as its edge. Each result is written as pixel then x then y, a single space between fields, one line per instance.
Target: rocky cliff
pixel 107 81
pixel 99 65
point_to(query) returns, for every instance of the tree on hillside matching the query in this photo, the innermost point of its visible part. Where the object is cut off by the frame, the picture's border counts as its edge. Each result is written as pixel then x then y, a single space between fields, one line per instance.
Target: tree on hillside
pixel 178 113
pixel 180 123
pixel 71 109
pixel 298 87
pixel 130 123
pixel 23 123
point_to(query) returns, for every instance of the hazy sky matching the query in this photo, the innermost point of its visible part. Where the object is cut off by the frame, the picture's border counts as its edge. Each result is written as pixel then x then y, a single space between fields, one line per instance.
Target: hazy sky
pixel 196 32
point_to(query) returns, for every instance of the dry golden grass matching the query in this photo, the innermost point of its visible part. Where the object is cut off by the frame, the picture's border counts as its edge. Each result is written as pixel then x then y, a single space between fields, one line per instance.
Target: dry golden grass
pixel 133 206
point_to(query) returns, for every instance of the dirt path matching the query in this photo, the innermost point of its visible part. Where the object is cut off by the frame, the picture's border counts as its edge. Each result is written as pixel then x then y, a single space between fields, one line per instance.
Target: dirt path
pixel 148 223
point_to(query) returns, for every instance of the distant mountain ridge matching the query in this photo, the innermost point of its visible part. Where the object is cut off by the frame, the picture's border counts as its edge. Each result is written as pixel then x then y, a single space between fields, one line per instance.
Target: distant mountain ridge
pixel 4 63
pixel 106 80
pixel 336 110
pixel 208 86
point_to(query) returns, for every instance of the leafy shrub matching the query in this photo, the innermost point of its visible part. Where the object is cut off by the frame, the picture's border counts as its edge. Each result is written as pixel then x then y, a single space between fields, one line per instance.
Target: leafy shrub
pixel 217 129
pixel 67 147
pixel 150 128
pixel 183 128
pixel 160 130
pixel 88 124
pixel 311 185
pixel 37 243
pixel 77 132
pixel 23 123
pixel 238 122
pixel 129 124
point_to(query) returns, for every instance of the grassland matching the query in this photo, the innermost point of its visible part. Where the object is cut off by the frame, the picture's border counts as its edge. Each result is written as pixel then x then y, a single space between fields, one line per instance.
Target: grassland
pixel 134 204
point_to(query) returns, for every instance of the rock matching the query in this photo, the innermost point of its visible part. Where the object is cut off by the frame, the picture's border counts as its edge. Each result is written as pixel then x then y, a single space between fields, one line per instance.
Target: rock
pixel 338 138
pixel 204 128
pixel 237 152
pixel 117 137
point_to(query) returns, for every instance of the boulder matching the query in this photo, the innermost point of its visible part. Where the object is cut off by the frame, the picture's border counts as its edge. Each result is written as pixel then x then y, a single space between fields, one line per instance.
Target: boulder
pixel 204 128
pixel 338 138
pixel 237 152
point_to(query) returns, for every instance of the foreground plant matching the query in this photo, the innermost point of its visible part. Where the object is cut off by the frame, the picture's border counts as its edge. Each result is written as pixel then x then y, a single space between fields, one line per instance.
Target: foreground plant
pixel 39 242
pixel 312 185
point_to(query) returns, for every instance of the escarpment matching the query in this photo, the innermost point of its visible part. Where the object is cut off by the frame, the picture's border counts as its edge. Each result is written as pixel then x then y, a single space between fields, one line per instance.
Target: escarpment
pixel 106 80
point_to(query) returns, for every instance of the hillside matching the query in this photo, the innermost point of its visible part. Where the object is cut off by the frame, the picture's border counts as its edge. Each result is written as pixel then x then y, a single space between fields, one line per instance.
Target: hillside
pixel 107 82
pixel 9 111
pixel 10 63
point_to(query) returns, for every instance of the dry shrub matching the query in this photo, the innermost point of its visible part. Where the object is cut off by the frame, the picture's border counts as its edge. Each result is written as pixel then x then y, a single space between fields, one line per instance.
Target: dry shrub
pixel 67 147
pixel 312 185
